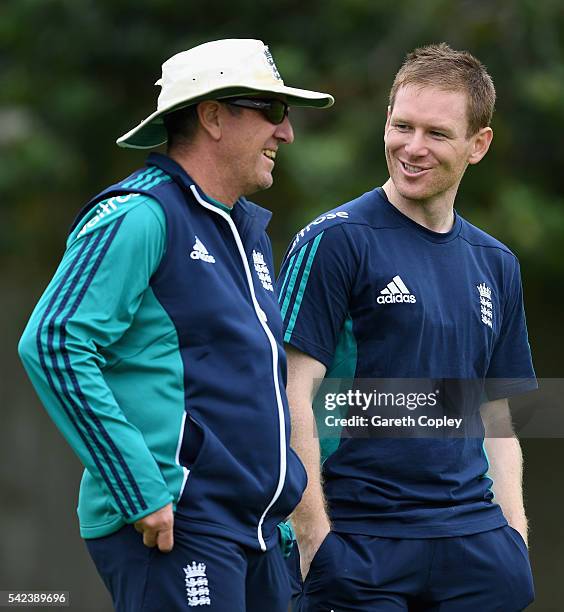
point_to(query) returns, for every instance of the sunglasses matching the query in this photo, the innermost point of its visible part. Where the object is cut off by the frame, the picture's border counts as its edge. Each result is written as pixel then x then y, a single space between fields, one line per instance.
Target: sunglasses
pixel 274 111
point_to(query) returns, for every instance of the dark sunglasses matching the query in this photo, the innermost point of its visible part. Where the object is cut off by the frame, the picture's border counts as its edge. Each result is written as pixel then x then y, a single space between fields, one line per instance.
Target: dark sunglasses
pixel 273 110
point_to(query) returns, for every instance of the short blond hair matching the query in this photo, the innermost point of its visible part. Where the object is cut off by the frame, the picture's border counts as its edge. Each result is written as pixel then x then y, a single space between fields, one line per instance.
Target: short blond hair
pixel 444 68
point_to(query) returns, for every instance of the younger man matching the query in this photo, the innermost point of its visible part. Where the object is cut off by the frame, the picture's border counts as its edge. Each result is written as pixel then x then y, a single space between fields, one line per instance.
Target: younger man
pixel 396 285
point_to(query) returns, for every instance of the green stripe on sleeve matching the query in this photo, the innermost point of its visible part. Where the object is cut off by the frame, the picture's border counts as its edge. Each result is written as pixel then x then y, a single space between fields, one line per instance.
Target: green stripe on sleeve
pixel 142 177
pixel 293 277
pixel 286 278
pixel 165 178
pixel 301 289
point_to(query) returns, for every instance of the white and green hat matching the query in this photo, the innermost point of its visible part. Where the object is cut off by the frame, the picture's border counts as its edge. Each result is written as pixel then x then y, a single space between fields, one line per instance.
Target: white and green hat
pixel 215 70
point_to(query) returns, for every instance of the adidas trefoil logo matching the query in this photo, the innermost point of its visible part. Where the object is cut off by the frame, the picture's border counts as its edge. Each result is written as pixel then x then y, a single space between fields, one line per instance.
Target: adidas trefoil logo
pixel 200 252
pixel 197 588
pixel 395 293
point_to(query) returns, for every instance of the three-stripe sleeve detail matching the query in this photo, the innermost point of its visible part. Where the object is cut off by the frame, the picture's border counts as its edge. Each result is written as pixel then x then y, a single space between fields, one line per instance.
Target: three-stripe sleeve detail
pixel 301 288
pixel 290 264
pixel 73 415
pixel 143 177
pixel 62 347
pixel 299 267
pixel 157 180
pixel 287 295
pixel 83 418
pixel 147 179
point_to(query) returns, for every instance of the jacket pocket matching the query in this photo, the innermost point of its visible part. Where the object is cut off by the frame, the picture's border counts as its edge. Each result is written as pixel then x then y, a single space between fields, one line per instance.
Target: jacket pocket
pixel 221 488
pixel 294 486
pixel 193 443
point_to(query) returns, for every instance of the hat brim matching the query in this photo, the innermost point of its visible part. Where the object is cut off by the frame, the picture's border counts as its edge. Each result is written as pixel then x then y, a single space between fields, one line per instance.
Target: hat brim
pixel 151 132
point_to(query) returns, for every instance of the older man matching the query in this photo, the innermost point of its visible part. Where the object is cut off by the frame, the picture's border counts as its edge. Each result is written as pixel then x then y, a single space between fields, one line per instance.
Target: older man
pixel 396 285
pixel 157 347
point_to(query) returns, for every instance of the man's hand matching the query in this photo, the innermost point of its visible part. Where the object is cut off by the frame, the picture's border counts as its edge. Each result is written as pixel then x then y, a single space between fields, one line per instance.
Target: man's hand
pixel 157 529
pixel 308 548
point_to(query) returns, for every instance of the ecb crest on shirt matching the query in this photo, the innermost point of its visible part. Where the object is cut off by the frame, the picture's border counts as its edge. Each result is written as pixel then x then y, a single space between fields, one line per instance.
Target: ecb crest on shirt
pixel 486 306
pixel 262 271
pixel 197 587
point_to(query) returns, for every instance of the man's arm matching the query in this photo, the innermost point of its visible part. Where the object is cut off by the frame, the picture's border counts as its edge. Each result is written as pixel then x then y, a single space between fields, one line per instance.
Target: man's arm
pixel 309 519
pixel 506 463
pixel 88 305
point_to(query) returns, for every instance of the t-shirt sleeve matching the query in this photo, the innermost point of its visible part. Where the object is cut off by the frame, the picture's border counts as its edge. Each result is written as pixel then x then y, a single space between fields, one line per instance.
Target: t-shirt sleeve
pixel 314 289
pixel 511 369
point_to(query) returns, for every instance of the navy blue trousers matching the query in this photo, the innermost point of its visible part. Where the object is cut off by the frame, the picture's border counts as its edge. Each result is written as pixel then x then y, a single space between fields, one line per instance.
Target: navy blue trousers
pixel 487 571
pixel 205 573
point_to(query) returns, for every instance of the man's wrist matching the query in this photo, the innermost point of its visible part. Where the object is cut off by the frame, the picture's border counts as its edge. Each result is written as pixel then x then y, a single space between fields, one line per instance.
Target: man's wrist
pixel 313 534
pixel 520 524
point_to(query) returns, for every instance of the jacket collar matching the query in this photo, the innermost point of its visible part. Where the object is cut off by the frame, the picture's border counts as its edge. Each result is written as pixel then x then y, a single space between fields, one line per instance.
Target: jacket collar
pixel 251 220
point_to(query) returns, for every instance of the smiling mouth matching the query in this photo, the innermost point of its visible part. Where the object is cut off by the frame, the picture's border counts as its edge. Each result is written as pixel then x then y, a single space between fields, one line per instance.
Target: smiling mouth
pixel 270 153
pixel 412 169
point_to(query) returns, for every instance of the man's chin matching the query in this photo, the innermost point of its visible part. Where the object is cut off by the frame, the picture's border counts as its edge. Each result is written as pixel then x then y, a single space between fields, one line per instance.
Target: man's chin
pixel 411 192
pixel 414 196
pixel 267 181
pixel 262 184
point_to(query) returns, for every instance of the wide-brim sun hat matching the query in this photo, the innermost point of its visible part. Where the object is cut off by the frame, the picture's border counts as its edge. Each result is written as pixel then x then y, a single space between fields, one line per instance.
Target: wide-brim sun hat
pixel 212 71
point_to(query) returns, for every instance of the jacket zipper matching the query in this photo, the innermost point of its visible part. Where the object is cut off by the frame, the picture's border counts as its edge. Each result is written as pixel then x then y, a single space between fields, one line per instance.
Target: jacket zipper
pixel 261 315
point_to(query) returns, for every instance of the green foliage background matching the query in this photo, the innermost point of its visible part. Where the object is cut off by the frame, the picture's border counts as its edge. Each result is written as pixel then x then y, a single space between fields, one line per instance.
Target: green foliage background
pixel 75 74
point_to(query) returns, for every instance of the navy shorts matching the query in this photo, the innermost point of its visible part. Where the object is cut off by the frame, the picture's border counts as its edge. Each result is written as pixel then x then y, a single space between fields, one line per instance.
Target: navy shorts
pixel 357 573
pixel 206 573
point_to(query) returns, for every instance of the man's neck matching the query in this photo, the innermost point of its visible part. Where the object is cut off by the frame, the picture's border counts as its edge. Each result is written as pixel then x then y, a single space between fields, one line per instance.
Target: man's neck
pixel 435 214
pixel 207 175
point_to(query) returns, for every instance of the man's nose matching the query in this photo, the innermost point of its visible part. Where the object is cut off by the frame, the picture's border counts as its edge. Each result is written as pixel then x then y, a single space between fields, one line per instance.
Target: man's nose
pixel 416 144
pixel 285 131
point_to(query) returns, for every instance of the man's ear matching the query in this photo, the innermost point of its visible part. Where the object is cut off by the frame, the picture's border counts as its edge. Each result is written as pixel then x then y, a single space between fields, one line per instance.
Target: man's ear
pixel 209 114
pixel 387 124
pixel 388 115
pixel 481 143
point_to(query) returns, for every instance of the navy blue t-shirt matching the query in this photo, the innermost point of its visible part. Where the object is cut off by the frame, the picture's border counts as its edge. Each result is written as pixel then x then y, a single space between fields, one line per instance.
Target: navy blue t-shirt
pixel 373 295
